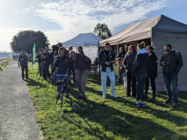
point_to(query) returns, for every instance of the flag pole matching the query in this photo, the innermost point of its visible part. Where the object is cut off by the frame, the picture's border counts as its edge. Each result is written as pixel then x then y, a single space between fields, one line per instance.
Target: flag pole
pixel 34 53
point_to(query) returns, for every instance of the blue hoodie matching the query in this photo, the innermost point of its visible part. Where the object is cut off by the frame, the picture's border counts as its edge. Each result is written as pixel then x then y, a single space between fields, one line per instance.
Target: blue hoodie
pixel 142 51
pixel 141 63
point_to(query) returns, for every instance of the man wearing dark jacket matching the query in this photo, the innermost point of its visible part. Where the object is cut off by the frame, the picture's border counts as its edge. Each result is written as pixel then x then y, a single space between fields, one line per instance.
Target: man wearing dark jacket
pixel 44 65
pixel 106 60
pixel 53 55
pixel 70 48
pixel 82 66
pixel 171 63
pixel 39 59
pixel 80 49
pixel 140 71
pixel 22 61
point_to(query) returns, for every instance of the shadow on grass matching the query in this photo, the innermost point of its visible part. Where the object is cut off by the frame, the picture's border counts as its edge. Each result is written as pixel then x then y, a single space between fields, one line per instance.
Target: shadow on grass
pixel 37 83
pixel 124 124
pixel 121 123
pixel 113 120
pixel 158 113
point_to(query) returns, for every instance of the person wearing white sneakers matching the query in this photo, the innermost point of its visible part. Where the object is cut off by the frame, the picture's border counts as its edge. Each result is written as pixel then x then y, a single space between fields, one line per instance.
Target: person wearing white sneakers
pixel 106 61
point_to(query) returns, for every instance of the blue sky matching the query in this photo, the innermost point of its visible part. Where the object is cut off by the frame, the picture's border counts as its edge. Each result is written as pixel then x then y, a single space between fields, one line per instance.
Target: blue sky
pixel 61 20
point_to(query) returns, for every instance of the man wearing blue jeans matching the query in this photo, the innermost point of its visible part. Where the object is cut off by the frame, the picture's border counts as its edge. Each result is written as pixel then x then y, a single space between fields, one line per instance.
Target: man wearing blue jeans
pixel 106 61
pixel 171 63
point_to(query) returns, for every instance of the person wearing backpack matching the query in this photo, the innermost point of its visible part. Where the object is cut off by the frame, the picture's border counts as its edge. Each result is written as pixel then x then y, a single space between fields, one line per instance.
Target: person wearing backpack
pixel 171 63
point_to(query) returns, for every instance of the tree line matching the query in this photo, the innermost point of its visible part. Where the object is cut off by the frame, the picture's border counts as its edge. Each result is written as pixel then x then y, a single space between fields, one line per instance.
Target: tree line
pixel 25 40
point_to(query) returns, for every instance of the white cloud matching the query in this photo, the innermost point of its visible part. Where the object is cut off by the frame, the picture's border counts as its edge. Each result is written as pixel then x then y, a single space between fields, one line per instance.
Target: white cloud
pixel 78 16
pixel 27 9
pixel 81 16
pixel 14 10
pixel 6 35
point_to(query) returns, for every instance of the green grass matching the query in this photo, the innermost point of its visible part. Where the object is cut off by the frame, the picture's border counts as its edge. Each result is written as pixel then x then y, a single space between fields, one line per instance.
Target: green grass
pixel 5 63
pixel 106 119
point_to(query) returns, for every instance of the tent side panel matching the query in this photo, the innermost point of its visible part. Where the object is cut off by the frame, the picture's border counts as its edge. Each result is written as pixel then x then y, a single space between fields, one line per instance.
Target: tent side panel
pixel 91 52
pixel 178 41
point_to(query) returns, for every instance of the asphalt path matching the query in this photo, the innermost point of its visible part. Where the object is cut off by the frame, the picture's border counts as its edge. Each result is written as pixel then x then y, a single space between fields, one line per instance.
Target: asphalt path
pixel 17 121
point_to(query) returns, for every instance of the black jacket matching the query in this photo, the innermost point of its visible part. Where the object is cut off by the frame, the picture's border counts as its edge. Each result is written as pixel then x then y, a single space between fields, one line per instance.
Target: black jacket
pixel 152 71
pixel 61 65
pixel 174 62
pixel 129 61
pixel 23 60
pixel 82 62
pixel 82 52
pixel 39 60
pixel 122 55
pixel 45 60
pixel 141 64
pixel 103 60
pixel 52 56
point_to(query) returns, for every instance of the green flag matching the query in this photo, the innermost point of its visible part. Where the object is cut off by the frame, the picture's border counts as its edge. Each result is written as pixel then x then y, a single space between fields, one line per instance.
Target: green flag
pixel 34 53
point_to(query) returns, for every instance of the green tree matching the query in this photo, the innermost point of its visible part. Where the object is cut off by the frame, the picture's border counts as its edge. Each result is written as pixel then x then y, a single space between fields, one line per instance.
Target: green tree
pixel 25 40
pixel 102 31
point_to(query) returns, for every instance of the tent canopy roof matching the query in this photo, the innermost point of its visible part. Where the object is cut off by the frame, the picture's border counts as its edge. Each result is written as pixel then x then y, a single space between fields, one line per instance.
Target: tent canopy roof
pixel 83 39
pixel 143 30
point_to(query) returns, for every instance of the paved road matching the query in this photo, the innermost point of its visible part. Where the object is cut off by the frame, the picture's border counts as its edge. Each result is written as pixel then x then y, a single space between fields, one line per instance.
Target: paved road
pixel 17 121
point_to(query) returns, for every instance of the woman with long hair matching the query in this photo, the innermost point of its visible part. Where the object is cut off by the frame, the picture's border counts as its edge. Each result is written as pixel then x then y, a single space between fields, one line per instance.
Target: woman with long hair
pixel 60 68
pixel 128 63
pixel 152 71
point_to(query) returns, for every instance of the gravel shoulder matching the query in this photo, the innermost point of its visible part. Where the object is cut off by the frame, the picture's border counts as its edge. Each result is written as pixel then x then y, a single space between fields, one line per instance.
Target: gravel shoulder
pixel 17 121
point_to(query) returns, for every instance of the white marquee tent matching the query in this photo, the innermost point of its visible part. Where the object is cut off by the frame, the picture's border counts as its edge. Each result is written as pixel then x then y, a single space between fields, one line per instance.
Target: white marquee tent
pixel 159 30
pixel 88 41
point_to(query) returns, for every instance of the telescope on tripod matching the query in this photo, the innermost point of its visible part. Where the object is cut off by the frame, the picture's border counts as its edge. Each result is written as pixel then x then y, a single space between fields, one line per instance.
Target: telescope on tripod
pixel 64 92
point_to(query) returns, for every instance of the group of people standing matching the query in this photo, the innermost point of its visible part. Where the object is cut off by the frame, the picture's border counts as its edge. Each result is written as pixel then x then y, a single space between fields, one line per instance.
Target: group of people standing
pixel 140 66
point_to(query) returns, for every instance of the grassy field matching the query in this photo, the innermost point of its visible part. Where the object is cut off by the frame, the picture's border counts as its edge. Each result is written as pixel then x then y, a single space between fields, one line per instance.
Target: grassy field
pixel 106 119
pixel 5 63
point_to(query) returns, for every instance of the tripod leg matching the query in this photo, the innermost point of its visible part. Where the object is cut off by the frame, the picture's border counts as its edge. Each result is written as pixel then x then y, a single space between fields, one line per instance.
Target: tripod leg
pixel 63 98
pixel 47 87
pixel 42 75
pixel 55 104
pixel 39 78
pixel 74 106
pixel 42 80
pixel 36 75
pixel 62 103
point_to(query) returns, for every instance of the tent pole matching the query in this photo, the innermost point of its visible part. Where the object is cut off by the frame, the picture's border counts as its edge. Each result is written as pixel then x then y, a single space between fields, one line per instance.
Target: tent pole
pixel 98 58
pixel 152 42
pixel 117 49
